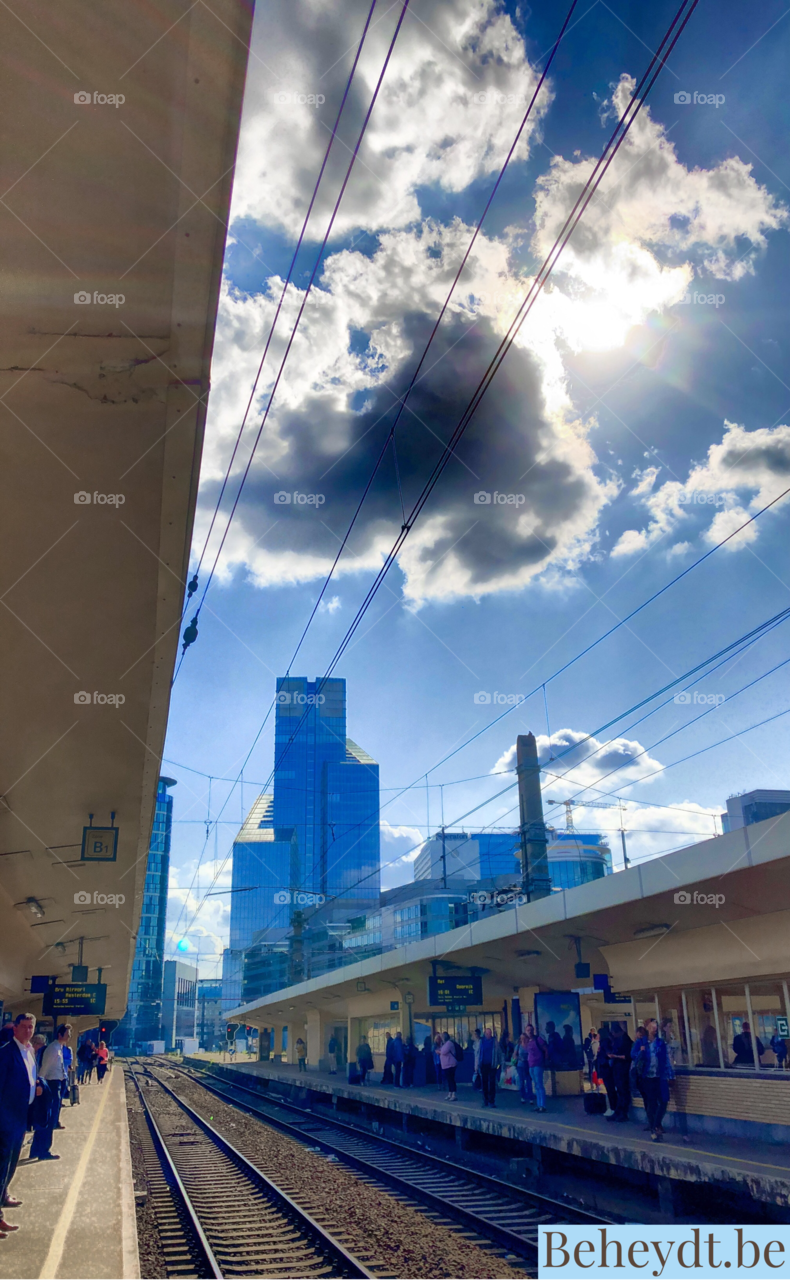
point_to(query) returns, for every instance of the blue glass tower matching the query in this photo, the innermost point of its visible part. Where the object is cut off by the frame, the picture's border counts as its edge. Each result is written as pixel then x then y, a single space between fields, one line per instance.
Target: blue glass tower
pixel 314 843
pixel 143 1017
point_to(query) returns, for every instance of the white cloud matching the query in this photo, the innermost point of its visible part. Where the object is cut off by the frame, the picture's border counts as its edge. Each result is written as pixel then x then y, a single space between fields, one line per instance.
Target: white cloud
pixel 400 846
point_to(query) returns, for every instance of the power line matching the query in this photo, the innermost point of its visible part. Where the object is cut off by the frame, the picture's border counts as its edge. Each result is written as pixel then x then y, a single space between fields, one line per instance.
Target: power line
pixel 290 342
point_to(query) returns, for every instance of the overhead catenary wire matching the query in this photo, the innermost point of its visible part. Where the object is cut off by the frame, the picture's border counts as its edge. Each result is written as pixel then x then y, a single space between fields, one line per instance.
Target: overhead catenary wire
pixel 318 261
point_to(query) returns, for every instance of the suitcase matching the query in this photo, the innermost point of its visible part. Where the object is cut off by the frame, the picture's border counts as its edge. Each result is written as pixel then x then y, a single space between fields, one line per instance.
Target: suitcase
pixel 74 1095
pixel 595 1103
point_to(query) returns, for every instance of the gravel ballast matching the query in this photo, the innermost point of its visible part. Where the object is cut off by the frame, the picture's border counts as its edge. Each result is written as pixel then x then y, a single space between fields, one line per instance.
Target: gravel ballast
pixel 388 1235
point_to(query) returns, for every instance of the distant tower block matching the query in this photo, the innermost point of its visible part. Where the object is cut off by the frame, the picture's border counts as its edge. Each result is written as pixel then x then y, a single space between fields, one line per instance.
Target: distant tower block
pixel 534 860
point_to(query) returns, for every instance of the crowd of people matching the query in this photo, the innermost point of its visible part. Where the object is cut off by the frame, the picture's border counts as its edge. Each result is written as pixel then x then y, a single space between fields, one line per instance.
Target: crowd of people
pixel 36 1078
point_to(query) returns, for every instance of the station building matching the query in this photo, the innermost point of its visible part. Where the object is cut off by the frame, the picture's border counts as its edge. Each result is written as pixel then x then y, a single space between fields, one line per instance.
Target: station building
pixel 697 938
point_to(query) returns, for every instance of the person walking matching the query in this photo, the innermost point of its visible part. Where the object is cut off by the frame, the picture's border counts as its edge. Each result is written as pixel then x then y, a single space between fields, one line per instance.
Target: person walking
pixel 451 1055
pixel 779 1046
pixel 18 1085
pixel 332 1049
pixel 52 1069
pixel 364 1059
pixel 537 1058
pixel 620 1059
pixel 526 1093
pixel 490 1062
pixel 398 1055
pixel 743 1047
pixel 301 1054
pixel 653 1070
pixel 102 1059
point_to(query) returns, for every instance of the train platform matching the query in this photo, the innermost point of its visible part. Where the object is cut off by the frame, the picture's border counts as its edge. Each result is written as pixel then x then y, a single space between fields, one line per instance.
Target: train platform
pixel 77 1218
pixel 738 1167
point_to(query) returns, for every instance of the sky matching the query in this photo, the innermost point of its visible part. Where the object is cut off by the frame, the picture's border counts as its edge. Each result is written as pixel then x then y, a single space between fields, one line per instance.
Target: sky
pixel 641 416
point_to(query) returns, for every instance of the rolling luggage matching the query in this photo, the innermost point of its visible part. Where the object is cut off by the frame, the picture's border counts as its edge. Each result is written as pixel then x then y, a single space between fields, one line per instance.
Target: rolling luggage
pixel 595 1103
pixel 74 1095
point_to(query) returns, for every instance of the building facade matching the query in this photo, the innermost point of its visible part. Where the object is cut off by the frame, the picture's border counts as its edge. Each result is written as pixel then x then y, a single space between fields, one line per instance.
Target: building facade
pixel 179 1002
pixel 143 1017
pixel 754 806
pixel 574 857
pixel 308 854
pixel 209 1022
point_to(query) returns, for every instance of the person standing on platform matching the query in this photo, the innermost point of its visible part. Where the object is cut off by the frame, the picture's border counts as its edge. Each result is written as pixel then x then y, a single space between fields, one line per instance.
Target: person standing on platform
pixel 409 1063
pixel 450 1062
pixel 397 1057
pixel 364 1059
pixel 477 1040
pixel 437 1061
pixel 526 1093
pixel 743 1047
pixel 537 1059
pixel 779 1046
pixel 53 1073
pixel 17 1093
pixel 653 1069
pixel 490 1062
pixel 591 1051
pixel 332 1050
pixel 605 1072
pixel 301 1054
pixel 620 1059
pixel 103 1057
pixel 387 1075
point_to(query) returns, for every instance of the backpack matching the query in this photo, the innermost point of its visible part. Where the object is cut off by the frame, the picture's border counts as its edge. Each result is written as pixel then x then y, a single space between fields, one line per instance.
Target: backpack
pixel 458 1051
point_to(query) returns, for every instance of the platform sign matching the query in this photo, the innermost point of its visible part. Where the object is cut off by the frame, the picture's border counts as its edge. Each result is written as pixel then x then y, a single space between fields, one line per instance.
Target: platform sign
pixel 455 990
pixel 99 844
pixel 75 998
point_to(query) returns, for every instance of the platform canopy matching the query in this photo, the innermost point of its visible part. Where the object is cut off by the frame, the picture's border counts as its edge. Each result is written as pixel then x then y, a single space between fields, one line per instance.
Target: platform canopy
pixel 716 912
pixel 121 125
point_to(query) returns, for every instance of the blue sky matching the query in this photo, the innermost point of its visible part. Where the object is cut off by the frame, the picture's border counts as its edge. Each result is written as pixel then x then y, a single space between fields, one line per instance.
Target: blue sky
pixel 620 410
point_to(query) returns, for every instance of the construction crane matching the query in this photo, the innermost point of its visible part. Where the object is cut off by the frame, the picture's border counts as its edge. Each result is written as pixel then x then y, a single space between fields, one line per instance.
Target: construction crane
pixel 593 804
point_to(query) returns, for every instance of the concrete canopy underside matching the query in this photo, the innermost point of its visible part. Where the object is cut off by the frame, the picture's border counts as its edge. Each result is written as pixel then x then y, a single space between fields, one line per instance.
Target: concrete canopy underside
pixel 617 920
pixel 100 399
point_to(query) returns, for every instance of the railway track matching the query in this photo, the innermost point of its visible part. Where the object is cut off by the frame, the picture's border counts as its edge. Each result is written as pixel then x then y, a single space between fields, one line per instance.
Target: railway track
pixel 217 1214
pixel 493 1210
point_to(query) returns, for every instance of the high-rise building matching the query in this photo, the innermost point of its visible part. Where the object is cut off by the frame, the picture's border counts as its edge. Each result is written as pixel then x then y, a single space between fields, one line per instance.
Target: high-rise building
pixel 143 1017
pixel 310 848
pixel 179 1002
pixel 754 806
pixel 209 1020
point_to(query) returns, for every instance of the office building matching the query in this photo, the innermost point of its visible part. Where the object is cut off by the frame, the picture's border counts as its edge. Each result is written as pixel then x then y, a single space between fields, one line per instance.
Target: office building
pixel 308 853
pixel 754 806
pixel 179 1002
pixel 143 1017
pixel 209 1020
pixel 574 857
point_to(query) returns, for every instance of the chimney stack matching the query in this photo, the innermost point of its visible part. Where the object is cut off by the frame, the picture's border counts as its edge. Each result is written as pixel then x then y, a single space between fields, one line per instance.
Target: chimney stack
pixel 534 858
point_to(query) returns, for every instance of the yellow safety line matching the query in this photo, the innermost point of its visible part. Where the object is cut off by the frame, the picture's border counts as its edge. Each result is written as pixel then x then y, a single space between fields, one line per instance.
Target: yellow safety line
pixel 53 1258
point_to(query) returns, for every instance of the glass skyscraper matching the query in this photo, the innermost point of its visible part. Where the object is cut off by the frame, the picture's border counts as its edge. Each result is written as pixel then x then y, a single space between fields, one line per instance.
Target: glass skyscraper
pixel 143 1018
pixel 311 849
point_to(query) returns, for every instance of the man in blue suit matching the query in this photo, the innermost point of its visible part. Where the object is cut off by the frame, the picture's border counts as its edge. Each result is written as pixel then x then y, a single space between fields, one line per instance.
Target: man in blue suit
pixel 17 1092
